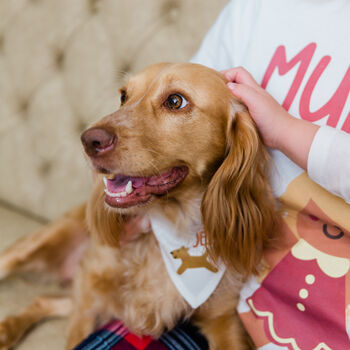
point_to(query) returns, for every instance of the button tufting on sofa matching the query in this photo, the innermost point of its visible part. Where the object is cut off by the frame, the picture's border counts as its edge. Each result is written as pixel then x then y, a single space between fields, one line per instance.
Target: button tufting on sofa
pixel 170 10
pixel 61 65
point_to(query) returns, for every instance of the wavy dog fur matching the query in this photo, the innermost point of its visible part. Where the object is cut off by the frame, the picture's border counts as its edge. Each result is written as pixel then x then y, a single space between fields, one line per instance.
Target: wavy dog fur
pixel 237 207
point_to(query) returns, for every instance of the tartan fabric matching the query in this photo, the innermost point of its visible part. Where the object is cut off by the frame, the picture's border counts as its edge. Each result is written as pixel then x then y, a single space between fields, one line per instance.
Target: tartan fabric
pixel 115 336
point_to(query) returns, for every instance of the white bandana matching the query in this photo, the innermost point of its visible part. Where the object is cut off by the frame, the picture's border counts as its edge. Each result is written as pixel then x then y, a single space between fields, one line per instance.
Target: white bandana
pixel 186 260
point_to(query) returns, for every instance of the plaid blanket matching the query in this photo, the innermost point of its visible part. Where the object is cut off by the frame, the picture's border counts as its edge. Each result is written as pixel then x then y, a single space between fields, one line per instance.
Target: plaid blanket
pixel 115 336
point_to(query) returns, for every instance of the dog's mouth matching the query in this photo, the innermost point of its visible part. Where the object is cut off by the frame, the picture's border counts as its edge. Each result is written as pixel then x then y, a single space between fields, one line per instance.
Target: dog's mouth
pixel 123 191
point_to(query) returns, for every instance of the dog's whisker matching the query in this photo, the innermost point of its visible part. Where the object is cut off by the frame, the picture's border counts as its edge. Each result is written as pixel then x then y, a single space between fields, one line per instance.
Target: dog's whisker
pixel 151 163
pixel 152 150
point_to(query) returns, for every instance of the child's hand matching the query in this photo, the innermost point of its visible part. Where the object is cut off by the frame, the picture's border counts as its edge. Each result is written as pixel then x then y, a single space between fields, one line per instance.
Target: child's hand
pixel 269 116
pixel 277 127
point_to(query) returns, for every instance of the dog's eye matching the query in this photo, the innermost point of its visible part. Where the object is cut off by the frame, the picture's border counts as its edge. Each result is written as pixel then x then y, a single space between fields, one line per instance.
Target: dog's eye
pixel 175 101
pixel 122 97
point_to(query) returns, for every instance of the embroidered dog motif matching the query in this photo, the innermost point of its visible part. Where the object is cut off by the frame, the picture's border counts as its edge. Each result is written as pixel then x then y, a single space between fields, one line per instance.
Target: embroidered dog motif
pixel 190 261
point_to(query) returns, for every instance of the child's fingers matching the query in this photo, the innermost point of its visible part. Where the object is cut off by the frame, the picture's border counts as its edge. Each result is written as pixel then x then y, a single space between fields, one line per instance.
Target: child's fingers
pixel 239 75
pixel 244 92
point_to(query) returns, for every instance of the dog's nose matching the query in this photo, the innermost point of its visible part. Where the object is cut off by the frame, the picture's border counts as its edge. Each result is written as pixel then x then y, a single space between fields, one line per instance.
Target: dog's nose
pixel 98 141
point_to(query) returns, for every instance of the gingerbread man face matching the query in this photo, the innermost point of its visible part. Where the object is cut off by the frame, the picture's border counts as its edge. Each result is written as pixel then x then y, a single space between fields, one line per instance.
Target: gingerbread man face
pixel 317 216
pixel 321 232
pixel 312 214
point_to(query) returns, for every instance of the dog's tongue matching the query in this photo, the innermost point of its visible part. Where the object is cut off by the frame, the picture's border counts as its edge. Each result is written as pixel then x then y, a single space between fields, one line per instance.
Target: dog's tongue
pixel 119 183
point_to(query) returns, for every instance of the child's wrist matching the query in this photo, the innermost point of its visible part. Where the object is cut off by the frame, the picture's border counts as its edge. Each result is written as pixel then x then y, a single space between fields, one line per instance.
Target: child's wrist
pixel 282 132
pixel 295 139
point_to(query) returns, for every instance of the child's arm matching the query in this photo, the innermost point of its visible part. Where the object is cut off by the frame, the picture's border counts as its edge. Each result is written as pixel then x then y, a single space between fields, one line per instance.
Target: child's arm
pixel 278 128
pixel 324 152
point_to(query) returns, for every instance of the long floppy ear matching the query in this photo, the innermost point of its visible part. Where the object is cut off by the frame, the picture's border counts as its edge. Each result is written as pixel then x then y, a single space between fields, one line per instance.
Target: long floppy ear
pixel 238 206
pixel 104 224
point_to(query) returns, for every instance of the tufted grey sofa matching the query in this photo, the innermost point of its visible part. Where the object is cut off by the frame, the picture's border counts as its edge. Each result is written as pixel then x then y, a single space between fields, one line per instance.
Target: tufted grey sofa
pixel 61 63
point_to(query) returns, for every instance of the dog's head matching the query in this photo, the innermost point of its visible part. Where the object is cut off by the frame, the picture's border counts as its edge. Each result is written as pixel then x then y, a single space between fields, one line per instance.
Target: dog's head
pixel 179 253
pixel 179 131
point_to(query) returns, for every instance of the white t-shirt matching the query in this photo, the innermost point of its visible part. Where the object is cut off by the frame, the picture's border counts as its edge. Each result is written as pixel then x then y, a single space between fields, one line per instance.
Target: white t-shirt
pixel 299 50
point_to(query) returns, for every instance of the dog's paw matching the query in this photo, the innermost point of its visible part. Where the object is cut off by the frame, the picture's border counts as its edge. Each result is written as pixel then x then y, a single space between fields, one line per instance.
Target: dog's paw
pixel 9 335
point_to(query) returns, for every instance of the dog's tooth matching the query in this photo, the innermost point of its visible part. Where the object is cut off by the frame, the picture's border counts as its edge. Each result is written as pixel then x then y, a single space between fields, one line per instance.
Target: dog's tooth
pixel 129 188
pixel 110 194
pixel 105 181
pixel 123 194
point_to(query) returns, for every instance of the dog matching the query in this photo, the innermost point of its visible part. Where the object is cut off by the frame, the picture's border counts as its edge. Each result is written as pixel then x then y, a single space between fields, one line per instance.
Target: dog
pixel 181 150
pixel 191 262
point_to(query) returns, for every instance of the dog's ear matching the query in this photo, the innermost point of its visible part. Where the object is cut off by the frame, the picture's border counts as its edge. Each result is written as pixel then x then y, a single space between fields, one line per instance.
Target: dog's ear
pixel 105 225
pixel 238 206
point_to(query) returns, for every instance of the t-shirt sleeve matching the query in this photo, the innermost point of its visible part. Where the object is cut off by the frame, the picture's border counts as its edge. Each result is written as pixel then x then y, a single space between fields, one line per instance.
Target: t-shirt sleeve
pixel 224 45
pixel 329 161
